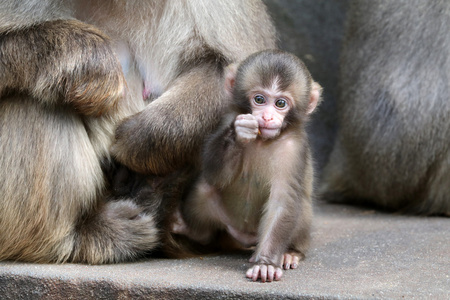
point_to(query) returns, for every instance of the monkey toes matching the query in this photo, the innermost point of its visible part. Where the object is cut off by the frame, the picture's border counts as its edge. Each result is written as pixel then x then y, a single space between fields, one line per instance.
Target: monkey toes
pixel 265 272
pixel 291 260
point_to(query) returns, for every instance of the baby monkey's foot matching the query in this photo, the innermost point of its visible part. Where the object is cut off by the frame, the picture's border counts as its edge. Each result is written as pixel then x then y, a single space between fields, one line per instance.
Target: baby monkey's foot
pixel 291 260
pixel 265 272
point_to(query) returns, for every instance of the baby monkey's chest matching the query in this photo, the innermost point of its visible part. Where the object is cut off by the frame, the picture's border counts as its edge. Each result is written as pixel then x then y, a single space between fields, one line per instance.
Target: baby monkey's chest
pixel 245 198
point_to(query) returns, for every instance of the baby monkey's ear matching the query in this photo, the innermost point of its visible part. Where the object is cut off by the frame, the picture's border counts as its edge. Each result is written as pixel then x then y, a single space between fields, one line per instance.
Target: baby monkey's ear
pixel 315 97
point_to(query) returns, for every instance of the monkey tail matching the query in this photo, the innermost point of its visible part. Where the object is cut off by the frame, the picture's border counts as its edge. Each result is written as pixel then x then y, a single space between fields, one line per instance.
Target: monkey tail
pixel 119 231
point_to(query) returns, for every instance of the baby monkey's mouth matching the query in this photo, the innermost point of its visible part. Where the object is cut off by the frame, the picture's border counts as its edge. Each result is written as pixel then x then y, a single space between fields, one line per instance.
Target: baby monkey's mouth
pixel 268 133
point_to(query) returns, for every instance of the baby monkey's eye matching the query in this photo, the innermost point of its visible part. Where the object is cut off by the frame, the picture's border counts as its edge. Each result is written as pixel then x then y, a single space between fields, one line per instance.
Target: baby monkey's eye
pixel 259 99
pixel 281 103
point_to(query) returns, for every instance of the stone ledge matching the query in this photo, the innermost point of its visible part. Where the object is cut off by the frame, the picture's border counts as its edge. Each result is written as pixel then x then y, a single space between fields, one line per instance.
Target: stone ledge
pixel 355 253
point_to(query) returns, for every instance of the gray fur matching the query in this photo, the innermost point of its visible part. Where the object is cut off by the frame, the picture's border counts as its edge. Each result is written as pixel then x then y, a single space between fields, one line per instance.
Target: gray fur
pixel 392 147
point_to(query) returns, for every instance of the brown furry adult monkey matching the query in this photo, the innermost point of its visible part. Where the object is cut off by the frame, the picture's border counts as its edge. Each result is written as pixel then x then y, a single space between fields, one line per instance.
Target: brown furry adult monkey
pixel 392 147
pixel 70 72
pixel 256 181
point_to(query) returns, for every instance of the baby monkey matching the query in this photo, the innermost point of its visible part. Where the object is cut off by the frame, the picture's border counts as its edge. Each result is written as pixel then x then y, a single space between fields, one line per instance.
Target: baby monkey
pixel 257 175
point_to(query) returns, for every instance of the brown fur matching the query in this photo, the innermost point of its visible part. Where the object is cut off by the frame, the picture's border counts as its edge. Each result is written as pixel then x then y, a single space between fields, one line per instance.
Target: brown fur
pixel 55 79
pixel 63 93
pixel 265 186
pixel 163 137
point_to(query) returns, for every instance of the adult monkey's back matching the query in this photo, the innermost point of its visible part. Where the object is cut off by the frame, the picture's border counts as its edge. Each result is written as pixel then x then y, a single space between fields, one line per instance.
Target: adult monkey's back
pixel 62 94
pixel 393 144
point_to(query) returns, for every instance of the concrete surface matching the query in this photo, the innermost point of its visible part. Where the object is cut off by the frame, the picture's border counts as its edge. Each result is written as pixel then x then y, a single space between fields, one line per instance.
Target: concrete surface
pixel 356 253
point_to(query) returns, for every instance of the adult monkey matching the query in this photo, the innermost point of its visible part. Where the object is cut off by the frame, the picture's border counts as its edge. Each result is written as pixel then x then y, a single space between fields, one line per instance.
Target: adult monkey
pixel 63 92
pixel 392 148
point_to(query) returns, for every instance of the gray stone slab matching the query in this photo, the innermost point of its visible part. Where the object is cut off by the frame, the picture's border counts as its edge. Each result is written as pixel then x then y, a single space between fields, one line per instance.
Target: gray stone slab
pixel 356 253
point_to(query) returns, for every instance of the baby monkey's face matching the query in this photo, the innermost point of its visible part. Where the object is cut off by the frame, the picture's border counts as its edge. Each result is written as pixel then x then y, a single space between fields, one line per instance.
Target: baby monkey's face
pixel 270 106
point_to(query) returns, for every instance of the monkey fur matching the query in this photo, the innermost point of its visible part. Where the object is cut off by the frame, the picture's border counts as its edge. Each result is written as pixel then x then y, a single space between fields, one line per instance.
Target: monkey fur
pixel 259 190
pixel 392 147
pixel 70 73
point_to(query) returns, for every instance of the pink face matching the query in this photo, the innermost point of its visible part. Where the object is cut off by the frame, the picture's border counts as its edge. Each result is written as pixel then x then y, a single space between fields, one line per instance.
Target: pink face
pixel 269 107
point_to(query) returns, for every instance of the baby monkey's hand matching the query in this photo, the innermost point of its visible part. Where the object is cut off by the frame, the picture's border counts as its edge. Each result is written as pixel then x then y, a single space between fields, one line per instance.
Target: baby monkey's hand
pixel 246 127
